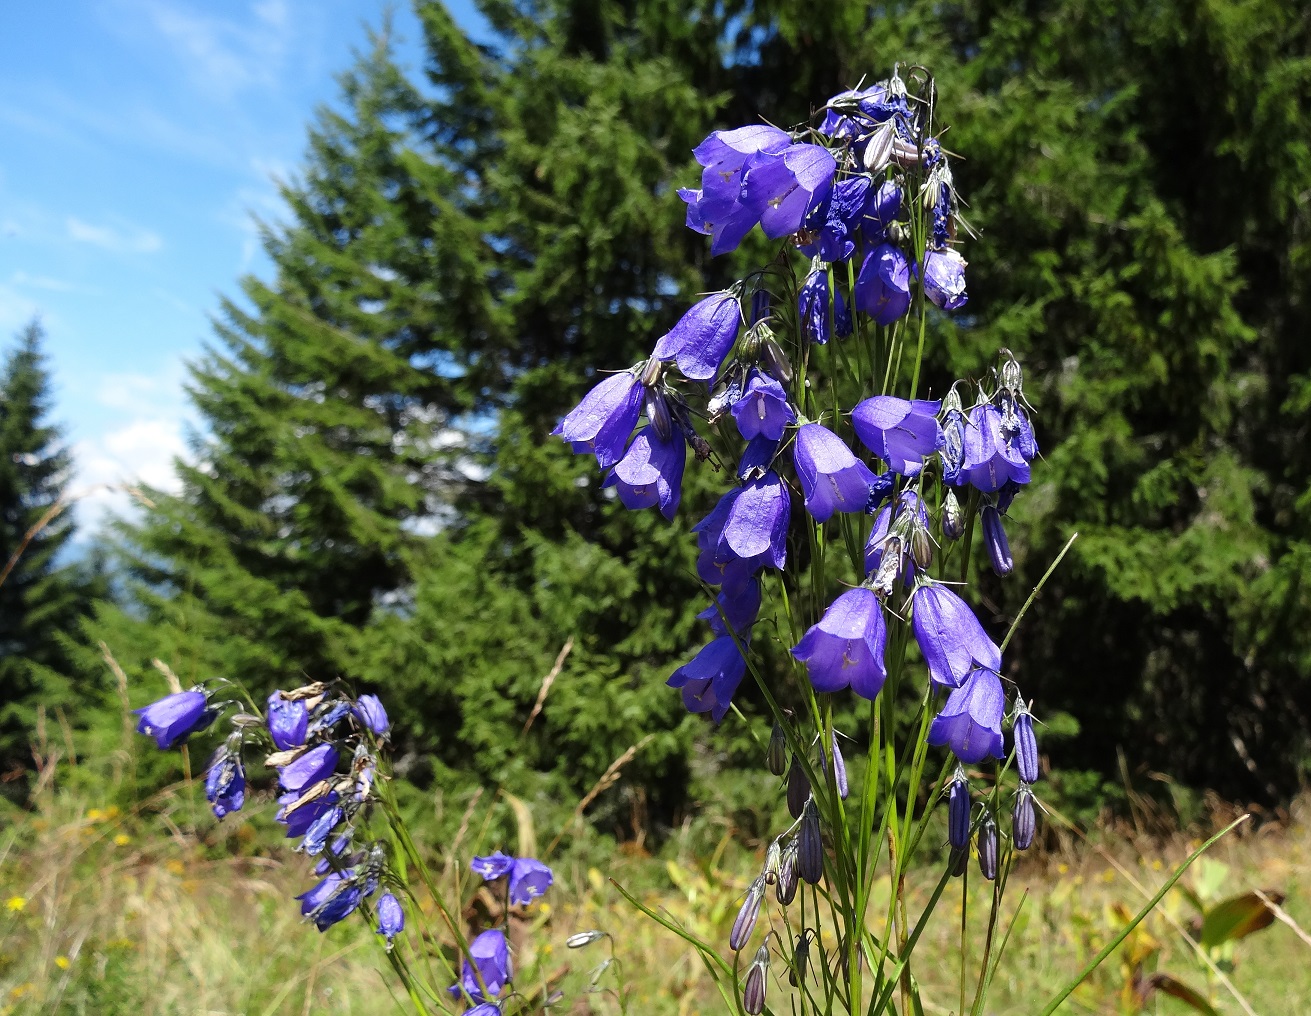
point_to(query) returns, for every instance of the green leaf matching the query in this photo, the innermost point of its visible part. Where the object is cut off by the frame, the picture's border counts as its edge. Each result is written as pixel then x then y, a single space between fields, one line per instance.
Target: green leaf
pixel 1237 918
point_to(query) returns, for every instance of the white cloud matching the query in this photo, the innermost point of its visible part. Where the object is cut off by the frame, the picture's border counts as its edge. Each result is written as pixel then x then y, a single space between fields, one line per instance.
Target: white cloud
pixel 41 282
pixel 126 240
pixel 16 309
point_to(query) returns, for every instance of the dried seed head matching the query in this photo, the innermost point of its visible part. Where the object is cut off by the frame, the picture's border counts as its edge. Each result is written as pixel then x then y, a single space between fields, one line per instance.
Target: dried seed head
pixel 953 517
pixel 776 360
pixel 773 859
pixel 583 938
pixel 890 567
pixel 921 547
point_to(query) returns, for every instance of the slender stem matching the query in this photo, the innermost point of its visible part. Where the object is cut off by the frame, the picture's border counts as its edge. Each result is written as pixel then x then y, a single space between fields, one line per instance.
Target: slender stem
pixel 1037 589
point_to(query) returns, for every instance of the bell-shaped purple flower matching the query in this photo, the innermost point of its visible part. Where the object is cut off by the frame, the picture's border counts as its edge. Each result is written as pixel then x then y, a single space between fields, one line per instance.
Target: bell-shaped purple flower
pixel 970 722
pixel 651 472
pixel 944 279
pixel 484 1009
pixel 994 539
pixel 332 900
pixel 529 879
pixel 883 286
pixel 493 866
pixel 737 608
pixel 716 563
pixel 710 679
pixel 881 211
pixel 299 817
pixel 489 953
pixel 316 764
pixel 334 854
pixel 225 784
pixel 174 718
pixel 369 711
pixel 716 208
pixel 785 186
pixel 763 409
pixel 991 460
pixel 316 836
pixel 838 220
pixel 603 421
pixel 702 337
pixel 846 647
pixel 950 636
pixel 391 918
pixel 813 309
pixel 832 478
pixel 757 522
pixel 898 431
pixel 288 721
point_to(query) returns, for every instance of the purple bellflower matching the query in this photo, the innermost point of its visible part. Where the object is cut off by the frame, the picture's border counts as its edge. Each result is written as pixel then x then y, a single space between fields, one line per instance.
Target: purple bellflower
pixel 369 711
pixel 529 879
pixel 299 819
pixel 994 538
pixel 484 1009
pixel 702 337
pixel 846 647
pixel 991 460
pixel 883 286
pixel 757 522
pixel 651 472
pixel 391 918
pixel 898 431
pixel 944 279
pixel 316 836
pixel 493 866
pixel 881 211
pixel 715 209
pixel 970 722
pixel 489 953
pixel 716 563
pixel 288 721
pixel 832 478
pixel 603 421
pixel 839 217
pixel 738 608
pixel 813 309
pixel 332 900
pixel 784 187
pixel 316 764
pixel 709 681
pixel 950 636
pixel 763 409
pixel 225 785
pixel 174 718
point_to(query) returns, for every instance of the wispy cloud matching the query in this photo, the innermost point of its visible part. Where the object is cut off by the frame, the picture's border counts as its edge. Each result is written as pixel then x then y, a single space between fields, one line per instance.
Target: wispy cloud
pixel 16 310
pixel 125 240
pixel 28 281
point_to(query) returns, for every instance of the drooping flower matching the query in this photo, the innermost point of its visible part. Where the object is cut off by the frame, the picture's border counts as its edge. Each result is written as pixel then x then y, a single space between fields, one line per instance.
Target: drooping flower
pixel 958 811
pixel 892 535
pixel 702 337
pixel 493 866
pixel 1026 745
pixel 845 649
pixel 225 784
pixel 883 286
pixel 332 900
pixel 297 816
pixel 314 765
pixel 602 422
pixel 813 309
pixel 735 609
pixel 832 478
pixel 369 710
pixel 810 845
pixel 786 887
pixel 753 988
pixel 757 522
pixel 715 209
pixel 651 472
pixel 944 279
pixel 716 563
pixel 881 211
pixel 798 788
pixel 839 768
pixel 970 722
pixel 489 953
pixel 899 431
pixel 174 718
pixel 994 538
pixel 1024 823
pixel 950 636
pixel 316 836
pixel 288 721
pixel 762 410
pixel 745 922
pixel 986 840
pixel 391 918
pixel 990 459
pixel 529 879
pixel 710 679
pixel 839 219
pixel 334 854
pixel 785 186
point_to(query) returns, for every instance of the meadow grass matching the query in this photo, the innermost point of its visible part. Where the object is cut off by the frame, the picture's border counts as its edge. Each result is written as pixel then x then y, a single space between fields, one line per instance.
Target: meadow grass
pixel 104 912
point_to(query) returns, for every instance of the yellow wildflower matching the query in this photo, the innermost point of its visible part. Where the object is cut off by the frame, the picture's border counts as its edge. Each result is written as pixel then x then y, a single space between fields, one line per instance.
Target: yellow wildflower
pixel 122 840
pixel 15 904
pixel 61 962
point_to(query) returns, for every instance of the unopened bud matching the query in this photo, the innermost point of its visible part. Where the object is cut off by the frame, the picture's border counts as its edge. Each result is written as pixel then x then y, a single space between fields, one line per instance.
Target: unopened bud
pixel 994 538
pixel 839 769
pixel 651 371
pixel 753 992
pixel 986 841
pixel 798 792
pixel 1024 824
pixel 810 846
pixel 658 413
pixel 960 857
pixel 878 150
pixel 583 938
pixel 773 859
pixel 1026 744
pixel 776 755
pixel 247 720
pixel 958 811
pixel 953 517
pixel 786 887
pixel 921 547
pixel 776 360
pixel 746 917
pixel 1012 377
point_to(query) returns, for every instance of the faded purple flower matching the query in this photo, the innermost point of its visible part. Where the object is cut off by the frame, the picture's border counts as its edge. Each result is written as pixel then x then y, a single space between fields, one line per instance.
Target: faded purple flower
pixel 813 309
pixel 651 472
pixel 994 539
pixel 846 647
pixel 368 710
pixel 832 478
pixel 970 722
pixel 299 817
pixel 332 900
pixel 898 431
pixel 885 536
pixel 603 421
pixel 883 286
pixel 702 337
pixel 225 784
pixel 838 219
pixel 950 636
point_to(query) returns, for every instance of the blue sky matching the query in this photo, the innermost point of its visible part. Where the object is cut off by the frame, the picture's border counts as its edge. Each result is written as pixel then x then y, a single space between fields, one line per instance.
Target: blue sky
pixel 139 139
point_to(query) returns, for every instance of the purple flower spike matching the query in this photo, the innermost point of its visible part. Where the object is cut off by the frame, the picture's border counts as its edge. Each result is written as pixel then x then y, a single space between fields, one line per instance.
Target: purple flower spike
pixel 369 711
pixel 702 337
pixel 813 309
pixel 763 409
pixel 832 478
pixel 994 538
pixel 881 211
pixel 651 472
pixel 316 764
pixel 288 721
pixel 944 279
pixel 490 954
pixel 603 421
pixel 492 867
pixel 785 186
pixel 529 879
pixel 711 678
pixel 970 722
pixel 757 523
pixel 175 717
pixel 990 459
pixel 898 431
pixel 738 607
pixel 846 647
pixel 950 636
pixel 883 286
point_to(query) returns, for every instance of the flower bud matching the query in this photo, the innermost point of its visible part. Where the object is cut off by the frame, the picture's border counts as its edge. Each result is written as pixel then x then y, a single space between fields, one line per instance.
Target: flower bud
pixel 953 517
pixel 786 887
pixel 798 791
pixel 776 360
pixel 657 411
pixel 994 538
pixel 921 547
pixel 800 957
pixel 986 841
pixel 1026 745
pixel 651 371
pixel 746 917
pixel 890 567
pixel 583 938
pixel 840 769
pixel 773 858
pixel 958 811
pixel 776 755
pixel 878 150
pixel 810 846
pixel 958 860
pixel 753 992
pixel 1023 821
